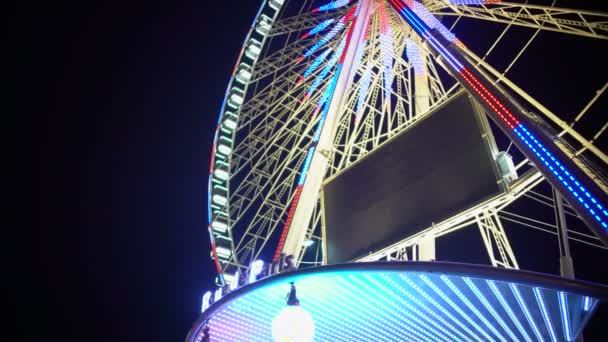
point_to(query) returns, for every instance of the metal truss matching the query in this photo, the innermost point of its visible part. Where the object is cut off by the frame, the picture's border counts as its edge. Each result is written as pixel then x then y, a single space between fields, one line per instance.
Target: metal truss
pixel 496 241
pixel 563 20
pixel 462 220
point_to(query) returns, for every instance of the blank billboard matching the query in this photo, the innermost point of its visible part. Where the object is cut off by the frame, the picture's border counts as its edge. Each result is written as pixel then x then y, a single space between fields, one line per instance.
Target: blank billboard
pixel 431 171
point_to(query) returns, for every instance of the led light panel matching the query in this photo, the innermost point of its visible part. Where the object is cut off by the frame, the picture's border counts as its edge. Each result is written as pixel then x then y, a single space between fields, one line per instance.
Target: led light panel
pixel 373 302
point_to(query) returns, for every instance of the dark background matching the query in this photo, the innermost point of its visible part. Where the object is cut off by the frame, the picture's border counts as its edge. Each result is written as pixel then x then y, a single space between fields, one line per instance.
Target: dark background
pixel 397 189
pixel 120 100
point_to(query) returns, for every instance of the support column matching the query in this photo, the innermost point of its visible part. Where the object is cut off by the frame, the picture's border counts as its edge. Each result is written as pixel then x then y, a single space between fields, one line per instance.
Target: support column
pixel 318 166
pixel 566 267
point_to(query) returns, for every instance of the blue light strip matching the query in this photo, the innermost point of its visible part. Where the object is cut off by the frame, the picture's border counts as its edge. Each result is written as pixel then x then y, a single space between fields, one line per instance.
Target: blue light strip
pixel 587 303
pixel 563 306
pixel 322 26
pixel 332 5
pixel 329 36
pixel 560 172
pixel 381 331
pixel 351 306
pixel 472 307
pixel 456 308
pixel 489 307
pixel 431 21
pixel 433 321
pixel 366 81
pixel 317 62
pixel 422 21
pixel 422 328
pixel 508 309
pixel 325 71
pixel 526 311
pixel 442 309
pixel 543 308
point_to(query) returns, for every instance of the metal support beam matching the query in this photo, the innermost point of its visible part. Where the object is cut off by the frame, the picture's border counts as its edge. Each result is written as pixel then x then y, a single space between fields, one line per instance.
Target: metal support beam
pixel 564 20
pixel 319 162
pixel 565 259
pixel 528 132
pixel 496 241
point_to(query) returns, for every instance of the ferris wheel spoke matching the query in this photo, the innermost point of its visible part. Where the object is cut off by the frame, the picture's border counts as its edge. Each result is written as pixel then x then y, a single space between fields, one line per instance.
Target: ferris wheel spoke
pixel 304 21
pixel 563 20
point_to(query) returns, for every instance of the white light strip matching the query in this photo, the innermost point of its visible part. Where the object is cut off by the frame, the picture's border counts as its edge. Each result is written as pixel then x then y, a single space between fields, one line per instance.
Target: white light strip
pixel 454 306
pixel 489 307
pixel 563 306
pixel 543 308
pixel 413 309
pixel 394 313
pixel 587 303
pixel 414 299
pixel 508 309
pixel 524 308
pixel 377 332
pixel 440 307
pixel 468 303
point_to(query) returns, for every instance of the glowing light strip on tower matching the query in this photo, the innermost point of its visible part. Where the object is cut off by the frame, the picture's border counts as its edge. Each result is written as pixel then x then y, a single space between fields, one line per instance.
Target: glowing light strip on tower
pixel 316 63
pixel 325 71
pixel 366 81
pixel 306 166
pixel 431 21
pixel 331 6
pixel 329 36
pixel 413 55
pixel 322 26
pixel 386 47
pixel 474 2
pixel 340 51
pixel 570 182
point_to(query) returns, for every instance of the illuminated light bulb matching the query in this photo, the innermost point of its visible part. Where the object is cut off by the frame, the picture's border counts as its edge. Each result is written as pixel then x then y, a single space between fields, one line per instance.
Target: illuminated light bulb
pixel 293 324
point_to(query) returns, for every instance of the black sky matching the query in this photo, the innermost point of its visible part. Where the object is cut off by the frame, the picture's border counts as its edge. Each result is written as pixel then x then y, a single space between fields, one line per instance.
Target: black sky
pixel 127 96
pixel 122 99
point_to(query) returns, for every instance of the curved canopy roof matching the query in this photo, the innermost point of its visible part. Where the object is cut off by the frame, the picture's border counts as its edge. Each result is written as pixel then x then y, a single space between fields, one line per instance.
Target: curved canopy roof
pixel 410 301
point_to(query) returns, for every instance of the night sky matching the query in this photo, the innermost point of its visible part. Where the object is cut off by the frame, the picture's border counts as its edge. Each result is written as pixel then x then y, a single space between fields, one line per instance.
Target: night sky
pixel 122 99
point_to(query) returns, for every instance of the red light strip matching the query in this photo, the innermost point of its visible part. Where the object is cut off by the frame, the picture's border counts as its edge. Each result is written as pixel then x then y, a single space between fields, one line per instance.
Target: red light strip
pixel 292 210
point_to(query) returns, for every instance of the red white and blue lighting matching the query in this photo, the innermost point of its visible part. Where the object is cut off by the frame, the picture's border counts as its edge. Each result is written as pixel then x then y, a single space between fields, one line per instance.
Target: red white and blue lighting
pixel 323 103
pixel 423 22
pixel 474 2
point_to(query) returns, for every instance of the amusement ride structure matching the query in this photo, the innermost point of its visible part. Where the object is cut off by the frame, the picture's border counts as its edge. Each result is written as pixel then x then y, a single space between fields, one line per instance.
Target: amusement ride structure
pixel 319 86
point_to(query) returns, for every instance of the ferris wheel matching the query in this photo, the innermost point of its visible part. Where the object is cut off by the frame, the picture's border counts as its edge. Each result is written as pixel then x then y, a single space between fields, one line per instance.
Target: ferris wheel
pixel 318 85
